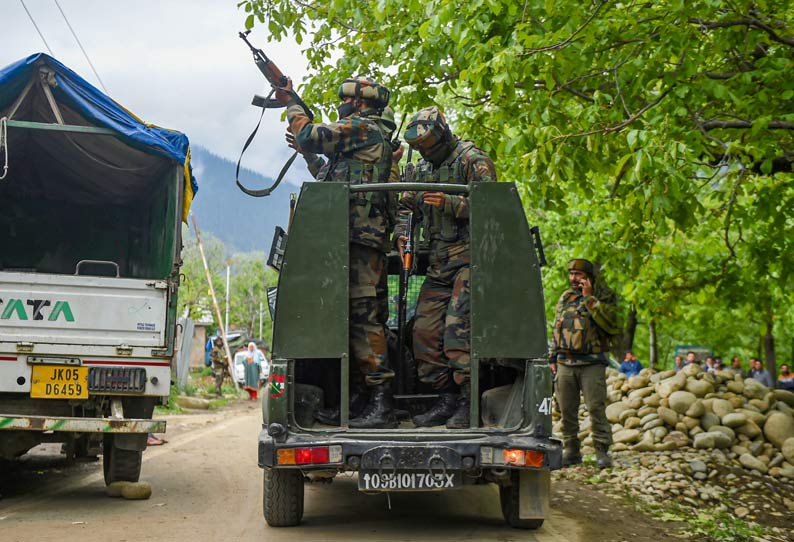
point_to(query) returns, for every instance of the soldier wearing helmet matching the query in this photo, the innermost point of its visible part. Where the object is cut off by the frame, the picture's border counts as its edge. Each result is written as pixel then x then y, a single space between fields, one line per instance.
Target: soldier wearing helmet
pixel 441 329
pixel 358 152
pixel 585 319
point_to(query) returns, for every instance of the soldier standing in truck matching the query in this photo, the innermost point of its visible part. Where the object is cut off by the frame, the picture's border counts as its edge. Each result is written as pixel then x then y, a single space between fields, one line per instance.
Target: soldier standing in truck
pixel 359 153
pixel 442 329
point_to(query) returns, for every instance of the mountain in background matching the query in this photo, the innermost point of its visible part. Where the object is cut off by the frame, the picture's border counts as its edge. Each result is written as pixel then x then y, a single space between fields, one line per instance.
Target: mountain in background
pixel 242 222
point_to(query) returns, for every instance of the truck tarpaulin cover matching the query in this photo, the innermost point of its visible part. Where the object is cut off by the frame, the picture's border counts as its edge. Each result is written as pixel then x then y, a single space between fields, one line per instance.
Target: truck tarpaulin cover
pixel 137 155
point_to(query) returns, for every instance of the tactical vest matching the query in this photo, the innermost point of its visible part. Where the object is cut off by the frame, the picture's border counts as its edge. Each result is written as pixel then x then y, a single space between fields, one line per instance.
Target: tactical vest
pixel 369 213
pixel 574 329
pixel 441 226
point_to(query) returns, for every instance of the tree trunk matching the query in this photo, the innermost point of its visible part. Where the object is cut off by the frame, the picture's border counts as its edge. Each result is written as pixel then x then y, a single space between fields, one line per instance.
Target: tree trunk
pixel 653 350
pixel 628 332
pixel 769 345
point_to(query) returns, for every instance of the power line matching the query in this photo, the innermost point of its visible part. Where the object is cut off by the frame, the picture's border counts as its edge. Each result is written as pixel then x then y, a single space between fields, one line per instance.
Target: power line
pixel 81 47
pixel 37 27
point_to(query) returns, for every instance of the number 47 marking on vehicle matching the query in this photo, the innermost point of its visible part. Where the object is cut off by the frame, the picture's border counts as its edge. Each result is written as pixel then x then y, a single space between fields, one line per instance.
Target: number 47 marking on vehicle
pixel 545 406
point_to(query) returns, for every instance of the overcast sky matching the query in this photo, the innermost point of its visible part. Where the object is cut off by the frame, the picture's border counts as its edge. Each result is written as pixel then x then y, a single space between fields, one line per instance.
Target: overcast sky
pixel 175 63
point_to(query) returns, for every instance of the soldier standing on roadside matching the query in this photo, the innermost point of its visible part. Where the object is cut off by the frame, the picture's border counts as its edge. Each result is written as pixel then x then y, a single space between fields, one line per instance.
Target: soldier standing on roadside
pixel 219 365
pixel 442 328
pixel 585 319
pixel 358 152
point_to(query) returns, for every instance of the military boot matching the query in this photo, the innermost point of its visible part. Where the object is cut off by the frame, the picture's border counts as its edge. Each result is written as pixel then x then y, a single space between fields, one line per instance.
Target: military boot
pixel 379 413
pixel 460 418
pixel 331 415
pixel 602 457
pixel 571 455
pixel 439 413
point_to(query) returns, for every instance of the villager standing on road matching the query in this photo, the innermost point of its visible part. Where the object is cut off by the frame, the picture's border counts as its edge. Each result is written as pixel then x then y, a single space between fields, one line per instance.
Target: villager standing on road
pixel 442 328
pixel 220 368
pixel 358 152
pixel 585 319
pixel 254 359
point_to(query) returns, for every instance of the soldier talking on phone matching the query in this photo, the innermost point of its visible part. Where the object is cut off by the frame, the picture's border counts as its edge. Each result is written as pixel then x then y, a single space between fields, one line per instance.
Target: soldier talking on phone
pixel 585 320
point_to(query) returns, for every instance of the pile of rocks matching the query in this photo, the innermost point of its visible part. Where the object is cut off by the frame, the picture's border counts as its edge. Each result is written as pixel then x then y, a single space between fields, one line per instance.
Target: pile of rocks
pixel 749 424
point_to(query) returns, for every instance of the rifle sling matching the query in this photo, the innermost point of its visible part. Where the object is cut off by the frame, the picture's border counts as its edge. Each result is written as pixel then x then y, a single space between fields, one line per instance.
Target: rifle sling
pixel 264 191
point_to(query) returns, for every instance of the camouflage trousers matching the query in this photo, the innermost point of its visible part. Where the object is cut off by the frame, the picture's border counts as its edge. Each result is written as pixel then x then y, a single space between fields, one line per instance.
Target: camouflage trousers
pixel 590 381
pixel 441 329
pixel 368 346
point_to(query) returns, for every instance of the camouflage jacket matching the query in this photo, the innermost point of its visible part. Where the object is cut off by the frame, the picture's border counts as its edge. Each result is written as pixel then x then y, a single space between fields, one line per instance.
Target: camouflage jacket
pixel 359 153
pixel 218 356
pixel 447 229
pixel 583 326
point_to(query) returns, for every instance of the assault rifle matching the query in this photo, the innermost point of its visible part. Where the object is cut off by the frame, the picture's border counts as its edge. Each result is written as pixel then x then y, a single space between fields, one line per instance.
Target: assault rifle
pixel 277 82
pixel 275 77
pixel 402 304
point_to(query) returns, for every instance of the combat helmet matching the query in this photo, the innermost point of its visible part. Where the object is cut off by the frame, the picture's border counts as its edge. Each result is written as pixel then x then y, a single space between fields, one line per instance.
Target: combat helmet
pixel 428 130
pixel 365 88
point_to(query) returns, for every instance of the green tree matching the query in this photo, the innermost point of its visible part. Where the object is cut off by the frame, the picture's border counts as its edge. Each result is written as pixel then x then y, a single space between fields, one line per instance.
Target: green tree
pixel 656 137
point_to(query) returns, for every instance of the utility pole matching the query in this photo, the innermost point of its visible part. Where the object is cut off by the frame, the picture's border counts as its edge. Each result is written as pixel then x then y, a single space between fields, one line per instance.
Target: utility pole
pixel 215 302
pixel 228 268
pixel 260 319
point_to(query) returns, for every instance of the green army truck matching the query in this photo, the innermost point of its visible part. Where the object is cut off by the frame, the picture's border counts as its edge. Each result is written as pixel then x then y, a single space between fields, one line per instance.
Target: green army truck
pixel 509 442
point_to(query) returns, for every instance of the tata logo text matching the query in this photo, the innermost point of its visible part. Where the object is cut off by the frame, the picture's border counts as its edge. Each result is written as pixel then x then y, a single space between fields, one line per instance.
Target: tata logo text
pixel 35 309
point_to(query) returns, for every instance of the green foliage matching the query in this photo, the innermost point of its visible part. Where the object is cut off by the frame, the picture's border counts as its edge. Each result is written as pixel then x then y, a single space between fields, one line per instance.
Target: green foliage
pixel 249 280
pixel 657 138
pixel 171 407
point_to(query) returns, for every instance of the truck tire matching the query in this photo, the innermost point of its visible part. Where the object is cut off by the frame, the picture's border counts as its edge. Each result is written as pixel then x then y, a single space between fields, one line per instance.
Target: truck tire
pixel 508 498
pixel 282 497
pixel 120 465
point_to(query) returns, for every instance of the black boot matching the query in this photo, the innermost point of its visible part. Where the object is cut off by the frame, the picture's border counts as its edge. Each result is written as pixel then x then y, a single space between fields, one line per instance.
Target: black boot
pixel 331 415
pixel 461 417
pixel 571 454
pixel 439 413
pixel 379 413
pixel 602 456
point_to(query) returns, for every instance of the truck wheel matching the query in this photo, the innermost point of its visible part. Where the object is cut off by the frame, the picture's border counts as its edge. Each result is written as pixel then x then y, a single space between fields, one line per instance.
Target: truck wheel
pixel 120 465
pixel 282 497
pixel 508 497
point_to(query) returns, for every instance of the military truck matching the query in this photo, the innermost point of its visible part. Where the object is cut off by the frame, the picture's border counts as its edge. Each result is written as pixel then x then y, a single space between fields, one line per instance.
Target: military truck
pixel 90 240
pixel 509 441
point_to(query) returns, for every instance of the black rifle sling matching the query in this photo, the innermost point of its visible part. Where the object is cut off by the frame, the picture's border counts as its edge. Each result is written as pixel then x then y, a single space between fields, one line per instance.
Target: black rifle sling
pixel 261 193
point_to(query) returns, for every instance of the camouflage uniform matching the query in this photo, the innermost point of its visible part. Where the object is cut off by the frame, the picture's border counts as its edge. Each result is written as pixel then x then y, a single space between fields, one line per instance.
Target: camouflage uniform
pixel 582 329
pixel 441 329
pixel 317 166
pixel 359 153
pixel 219 366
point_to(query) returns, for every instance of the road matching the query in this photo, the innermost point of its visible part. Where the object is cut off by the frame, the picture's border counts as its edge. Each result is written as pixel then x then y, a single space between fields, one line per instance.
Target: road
pixel 207 486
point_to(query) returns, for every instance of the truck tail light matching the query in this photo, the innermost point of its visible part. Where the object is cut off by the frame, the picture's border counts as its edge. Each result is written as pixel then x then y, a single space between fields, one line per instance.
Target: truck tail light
pixel 512 456
pixel 317 455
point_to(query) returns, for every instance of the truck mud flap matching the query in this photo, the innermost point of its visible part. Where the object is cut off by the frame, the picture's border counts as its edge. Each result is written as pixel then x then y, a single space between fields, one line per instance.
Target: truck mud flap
pixel 80 425
pixel 533 495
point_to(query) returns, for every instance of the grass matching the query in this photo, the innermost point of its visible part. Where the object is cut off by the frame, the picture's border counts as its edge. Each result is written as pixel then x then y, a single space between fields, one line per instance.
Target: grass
pixel 703 526
pixel 171 407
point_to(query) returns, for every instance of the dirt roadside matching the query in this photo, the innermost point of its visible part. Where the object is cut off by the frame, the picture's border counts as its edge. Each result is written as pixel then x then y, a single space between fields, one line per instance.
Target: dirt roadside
pixel 207 485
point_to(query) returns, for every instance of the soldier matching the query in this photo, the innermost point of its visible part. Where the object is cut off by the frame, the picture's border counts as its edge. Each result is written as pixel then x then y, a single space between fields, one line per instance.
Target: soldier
pixel 585 319
pixel 441 329
pixel 219 366
pixel 359 152
pixel 315 164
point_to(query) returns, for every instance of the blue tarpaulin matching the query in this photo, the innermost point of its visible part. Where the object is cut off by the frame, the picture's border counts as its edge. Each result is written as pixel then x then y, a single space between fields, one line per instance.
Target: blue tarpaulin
pixel 101 111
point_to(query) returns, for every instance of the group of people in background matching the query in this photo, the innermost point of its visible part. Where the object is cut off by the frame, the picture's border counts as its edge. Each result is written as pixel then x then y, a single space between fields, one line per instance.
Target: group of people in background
pixel 785 380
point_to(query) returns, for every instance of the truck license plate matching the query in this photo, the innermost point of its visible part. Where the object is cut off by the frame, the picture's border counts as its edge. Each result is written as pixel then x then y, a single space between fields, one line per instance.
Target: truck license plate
pixel 407 481
pixel 53 382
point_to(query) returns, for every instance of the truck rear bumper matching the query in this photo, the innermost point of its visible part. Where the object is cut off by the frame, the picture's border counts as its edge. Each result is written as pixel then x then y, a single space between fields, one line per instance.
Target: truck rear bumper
pixel 79 425
pixel 456 454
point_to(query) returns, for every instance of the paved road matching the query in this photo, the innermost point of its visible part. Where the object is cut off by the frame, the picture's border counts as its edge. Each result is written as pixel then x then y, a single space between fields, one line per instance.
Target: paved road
pixel 208 487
